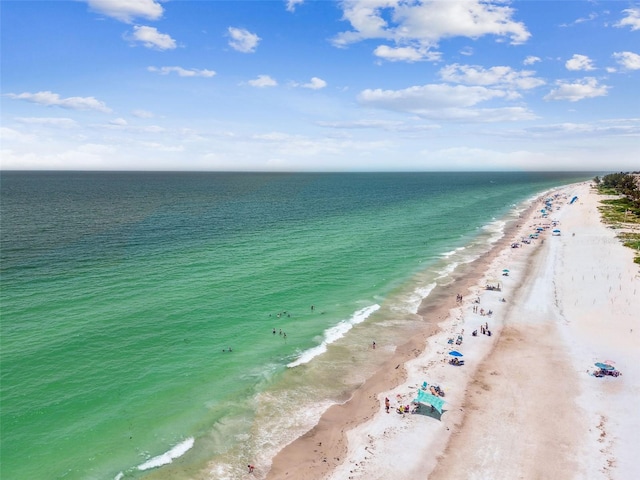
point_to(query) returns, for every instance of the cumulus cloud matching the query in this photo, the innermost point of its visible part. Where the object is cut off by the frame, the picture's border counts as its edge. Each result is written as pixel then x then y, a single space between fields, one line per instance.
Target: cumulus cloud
pixel 579 62
pixel 628 60
pixel 315 84
pixel 632 19
pixel 151 38
pixel 182 72
pixel 443 101
pixel 51 99
pixel 501 75
pixel 263 81
pixel 573 92
pixel 421 25
pixel 531 59
pixel 243 40
pixel 127 10
pixel 405 54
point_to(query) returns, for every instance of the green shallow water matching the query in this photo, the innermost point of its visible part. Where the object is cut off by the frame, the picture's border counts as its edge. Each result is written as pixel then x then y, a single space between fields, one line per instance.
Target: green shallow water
pixel 120 292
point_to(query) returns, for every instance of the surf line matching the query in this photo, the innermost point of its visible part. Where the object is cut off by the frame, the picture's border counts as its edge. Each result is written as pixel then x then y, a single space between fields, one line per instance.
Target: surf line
pixel 333 334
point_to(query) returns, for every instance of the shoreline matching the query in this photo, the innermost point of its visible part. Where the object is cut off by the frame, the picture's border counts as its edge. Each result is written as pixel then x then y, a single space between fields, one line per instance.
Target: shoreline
pixel 317 453
pixel 523 405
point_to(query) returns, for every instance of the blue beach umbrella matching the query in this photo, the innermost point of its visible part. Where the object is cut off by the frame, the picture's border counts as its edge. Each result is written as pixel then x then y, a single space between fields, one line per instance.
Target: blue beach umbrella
pixel 455 353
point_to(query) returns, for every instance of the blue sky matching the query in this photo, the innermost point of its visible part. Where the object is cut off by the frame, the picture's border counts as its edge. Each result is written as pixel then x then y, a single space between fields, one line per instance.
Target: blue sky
pixel 302 85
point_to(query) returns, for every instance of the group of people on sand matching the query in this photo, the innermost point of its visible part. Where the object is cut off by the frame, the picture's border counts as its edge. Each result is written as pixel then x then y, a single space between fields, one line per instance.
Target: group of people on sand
pixel 484 329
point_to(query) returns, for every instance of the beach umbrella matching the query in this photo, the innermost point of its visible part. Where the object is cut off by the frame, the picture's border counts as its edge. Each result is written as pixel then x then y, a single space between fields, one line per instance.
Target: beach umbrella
pixel 455 353
pixel 506 270
pixel 604 366
pixel 556 231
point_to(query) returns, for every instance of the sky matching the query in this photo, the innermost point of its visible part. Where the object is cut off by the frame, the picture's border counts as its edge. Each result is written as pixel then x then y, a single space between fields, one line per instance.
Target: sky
pixel 318 85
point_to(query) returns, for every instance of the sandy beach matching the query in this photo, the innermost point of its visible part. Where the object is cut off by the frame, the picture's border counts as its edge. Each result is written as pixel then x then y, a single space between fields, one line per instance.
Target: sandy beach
pixel 525 403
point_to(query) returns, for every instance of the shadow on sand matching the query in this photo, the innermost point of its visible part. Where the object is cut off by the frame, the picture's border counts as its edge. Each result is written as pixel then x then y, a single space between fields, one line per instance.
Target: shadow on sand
pixel 426 411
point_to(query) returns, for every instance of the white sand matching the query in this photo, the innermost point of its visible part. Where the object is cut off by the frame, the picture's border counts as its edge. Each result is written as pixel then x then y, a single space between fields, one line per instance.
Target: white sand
pixel 523 405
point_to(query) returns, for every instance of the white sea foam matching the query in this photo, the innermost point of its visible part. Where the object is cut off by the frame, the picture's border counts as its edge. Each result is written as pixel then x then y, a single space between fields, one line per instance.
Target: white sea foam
pixel 333 334
pixel 119 476
pixel 447 270
pixel 495 230
pixel 169 456
pixel 420 294
pixel 452 252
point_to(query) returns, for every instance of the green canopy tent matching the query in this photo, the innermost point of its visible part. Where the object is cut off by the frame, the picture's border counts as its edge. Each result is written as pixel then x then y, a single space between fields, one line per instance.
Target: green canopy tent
pixel 429 399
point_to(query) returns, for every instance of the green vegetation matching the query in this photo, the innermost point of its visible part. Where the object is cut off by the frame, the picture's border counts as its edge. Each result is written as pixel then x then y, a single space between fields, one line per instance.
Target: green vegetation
pixel 622 212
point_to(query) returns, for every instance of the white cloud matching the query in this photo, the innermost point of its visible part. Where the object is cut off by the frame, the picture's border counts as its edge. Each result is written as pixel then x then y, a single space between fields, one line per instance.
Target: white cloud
pixel 182 72
pixel 127 10
pixel 445 102
pixel 579 62
pixel 120 122
pixel 151 38
pixel 291 4
pixel 263 81
pixel 590 18
pixel 405 54
pixel 51 99
pixel 466 51
pixel 628 60
pixel 315 84
pixel 500 75
pixel 243 40
pixel 587 88
pixel 423 24
pixel 531 59
pixel 632 19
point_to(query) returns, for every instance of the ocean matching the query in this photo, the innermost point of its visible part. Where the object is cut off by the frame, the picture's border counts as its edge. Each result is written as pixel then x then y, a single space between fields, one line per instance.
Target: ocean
pixel 184 325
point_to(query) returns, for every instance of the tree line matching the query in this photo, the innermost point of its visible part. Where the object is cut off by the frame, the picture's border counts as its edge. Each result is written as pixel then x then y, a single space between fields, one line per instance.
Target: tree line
pixel 626 184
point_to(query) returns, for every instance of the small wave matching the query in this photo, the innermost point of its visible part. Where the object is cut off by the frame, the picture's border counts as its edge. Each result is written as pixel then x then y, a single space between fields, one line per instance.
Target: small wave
pixel 452 252
pixel 447 270
pixel 333 334
pixel 119 476
pixel 169 456
pixel 419 294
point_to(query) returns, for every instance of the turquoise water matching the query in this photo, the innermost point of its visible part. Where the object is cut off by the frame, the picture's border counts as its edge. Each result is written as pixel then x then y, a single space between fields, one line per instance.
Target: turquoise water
pixel 122 292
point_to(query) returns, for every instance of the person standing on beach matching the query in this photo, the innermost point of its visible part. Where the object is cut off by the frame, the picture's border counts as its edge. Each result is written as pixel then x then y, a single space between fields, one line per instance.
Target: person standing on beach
pixel 386 404
pixel 374 345
pixel 251 468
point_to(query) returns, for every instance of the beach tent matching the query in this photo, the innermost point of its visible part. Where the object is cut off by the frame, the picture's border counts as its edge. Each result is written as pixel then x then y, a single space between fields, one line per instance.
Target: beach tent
pixel 429 399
